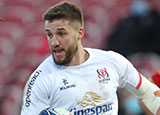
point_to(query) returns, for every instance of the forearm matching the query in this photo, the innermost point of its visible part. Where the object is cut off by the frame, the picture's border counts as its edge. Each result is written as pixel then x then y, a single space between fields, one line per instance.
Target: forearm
pixel 146 93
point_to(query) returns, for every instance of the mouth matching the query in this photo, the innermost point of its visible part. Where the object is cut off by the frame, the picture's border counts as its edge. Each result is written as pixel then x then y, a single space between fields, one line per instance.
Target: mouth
pixel 58 52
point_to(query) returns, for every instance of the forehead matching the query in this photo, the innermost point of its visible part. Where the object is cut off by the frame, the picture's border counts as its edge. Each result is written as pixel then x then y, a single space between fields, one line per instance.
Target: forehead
pixel 57 24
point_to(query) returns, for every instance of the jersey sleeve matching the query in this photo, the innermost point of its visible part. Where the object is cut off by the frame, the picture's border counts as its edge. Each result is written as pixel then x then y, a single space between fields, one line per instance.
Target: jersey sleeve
pixel 35 97
pixel 129 77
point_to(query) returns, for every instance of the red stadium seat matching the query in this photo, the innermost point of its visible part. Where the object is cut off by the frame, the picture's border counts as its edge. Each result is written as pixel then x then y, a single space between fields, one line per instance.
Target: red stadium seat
pixel 18 14
pixel 11 29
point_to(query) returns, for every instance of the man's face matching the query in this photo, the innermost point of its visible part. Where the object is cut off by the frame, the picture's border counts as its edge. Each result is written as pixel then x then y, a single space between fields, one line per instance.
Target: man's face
pixel 62 39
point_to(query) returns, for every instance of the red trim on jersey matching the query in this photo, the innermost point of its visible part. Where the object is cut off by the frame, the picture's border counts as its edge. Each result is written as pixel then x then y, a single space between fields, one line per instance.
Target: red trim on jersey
pixel 140 81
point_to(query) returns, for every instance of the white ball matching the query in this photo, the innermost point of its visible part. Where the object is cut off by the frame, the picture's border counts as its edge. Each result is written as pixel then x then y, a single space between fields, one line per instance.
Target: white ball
pixel 55 111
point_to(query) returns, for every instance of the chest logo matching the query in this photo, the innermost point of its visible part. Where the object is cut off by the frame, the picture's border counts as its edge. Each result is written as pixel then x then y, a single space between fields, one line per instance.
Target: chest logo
pixel 91 104
pixel 65 82
pixel 90 99
pixel 66 85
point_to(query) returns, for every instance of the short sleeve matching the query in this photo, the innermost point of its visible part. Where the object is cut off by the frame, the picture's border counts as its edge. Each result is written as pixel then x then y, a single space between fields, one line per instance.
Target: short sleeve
pixel 129 77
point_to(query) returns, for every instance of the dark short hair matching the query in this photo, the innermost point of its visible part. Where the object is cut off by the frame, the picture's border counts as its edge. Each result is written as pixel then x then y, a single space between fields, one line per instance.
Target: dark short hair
pixel 64 10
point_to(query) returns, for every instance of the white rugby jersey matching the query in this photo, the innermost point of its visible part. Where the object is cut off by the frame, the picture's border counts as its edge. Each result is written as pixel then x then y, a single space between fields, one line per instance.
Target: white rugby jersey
pixel 86 89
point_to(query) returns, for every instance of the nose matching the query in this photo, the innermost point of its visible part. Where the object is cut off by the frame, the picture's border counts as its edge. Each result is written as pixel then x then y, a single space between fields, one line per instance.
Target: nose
pixel 54 41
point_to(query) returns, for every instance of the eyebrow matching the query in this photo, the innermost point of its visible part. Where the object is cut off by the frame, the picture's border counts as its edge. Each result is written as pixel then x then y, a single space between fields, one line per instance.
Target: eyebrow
pixel 60 29
pixel 47 30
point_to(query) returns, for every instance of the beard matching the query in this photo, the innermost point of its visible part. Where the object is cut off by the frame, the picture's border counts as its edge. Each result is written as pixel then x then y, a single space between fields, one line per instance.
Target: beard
pixel 69 53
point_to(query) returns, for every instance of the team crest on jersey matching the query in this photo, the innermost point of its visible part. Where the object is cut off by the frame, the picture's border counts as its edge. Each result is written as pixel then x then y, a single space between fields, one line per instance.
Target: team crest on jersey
pixel 103 76
pixel 91 104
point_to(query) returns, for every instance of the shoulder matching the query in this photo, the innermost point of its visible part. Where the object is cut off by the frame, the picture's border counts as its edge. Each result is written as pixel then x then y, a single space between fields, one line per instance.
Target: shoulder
pixel 41 74
pixel 47 66
pixel 110 57
pixel 107 55
pixel 43 70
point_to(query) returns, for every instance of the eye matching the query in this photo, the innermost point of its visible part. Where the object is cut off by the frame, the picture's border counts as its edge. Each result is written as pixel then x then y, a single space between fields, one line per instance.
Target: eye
pixel 50 35
pixel 61 33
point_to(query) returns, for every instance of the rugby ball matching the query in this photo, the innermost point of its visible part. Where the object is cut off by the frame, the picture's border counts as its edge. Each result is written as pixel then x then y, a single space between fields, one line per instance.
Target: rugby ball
pixel 54 111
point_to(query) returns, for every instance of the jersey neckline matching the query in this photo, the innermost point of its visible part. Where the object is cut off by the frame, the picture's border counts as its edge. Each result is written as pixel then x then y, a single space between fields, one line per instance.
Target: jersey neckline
pixel 76 66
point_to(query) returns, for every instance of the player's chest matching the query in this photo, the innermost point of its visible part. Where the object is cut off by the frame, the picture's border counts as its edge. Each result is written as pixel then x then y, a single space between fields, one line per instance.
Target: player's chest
pixel 97 82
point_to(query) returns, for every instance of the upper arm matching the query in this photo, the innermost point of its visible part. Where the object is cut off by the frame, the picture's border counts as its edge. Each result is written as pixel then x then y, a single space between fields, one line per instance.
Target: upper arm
pixel 130 79
pixel 128 75
pixel 35 97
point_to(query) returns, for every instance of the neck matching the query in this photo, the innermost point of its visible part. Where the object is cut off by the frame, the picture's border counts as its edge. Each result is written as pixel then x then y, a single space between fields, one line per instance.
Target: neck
pixel 80 57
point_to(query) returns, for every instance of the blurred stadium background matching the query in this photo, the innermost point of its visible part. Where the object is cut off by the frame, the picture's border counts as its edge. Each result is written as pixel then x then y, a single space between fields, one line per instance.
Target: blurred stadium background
pixel 23 42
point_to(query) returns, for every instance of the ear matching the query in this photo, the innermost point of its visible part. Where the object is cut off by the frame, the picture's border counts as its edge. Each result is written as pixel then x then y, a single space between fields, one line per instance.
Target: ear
pixel 81 33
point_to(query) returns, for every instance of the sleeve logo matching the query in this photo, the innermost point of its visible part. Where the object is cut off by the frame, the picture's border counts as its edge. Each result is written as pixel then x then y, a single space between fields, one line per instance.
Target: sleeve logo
pixel 29 89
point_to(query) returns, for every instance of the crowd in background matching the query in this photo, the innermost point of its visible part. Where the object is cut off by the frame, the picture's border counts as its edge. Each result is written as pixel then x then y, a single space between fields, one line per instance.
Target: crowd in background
pixel 128 27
